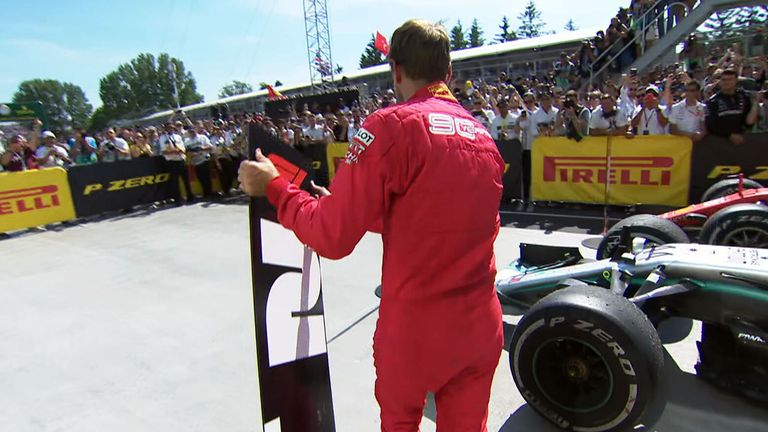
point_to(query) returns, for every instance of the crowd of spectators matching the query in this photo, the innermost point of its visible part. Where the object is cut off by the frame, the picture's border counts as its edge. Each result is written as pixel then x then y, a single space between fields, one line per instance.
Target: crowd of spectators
pixel 711 90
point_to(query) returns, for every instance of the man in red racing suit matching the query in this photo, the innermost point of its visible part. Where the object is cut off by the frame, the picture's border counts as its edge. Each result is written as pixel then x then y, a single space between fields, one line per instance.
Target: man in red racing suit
pixel 427 176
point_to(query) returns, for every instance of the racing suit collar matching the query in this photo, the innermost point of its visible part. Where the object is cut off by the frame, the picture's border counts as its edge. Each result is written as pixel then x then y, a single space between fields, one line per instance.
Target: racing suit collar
pixel 437 89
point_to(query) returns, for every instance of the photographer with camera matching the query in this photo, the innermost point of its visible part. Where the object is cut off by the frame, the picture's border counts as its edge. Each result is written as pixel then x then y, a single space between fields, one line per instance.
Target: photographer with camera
pixel 114 148
pixel 172 148
pixel 573 118
pixel 608 119
pixel 504 126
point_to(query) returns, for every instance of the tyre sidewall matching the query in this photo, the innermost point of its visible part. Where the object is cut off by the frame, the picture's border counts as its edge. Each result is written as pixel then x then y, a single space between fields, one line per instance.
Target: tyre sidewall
pixel 733 218
pixel 633 380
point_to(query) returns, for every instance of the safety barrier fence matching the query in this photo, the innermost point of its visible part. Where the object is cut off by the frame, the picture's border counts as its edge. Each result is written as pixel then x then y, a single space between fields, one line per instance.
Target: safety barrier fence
pixel 663 170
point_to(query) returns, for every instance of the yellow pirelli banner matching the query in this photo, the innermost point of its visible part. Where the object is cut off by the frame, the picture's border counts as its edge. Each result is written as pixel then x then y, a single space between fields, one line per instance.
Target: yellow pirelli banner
pixel 335 152
pixel 616 170
pixel 35 197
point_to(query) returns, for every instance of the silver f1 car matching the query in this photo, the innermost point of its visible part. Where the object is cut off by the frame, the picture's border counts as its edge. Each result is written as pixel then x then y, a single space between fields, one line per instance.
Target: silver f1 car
pixel 586 354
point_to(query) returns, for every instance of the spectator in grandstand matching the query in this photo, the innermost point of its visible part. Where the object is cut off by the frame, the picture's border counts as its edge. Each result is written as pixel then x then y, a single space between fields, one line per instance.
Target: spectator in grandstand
pixel 608 119
pixel 355 124
pixel 585 58
pixel 225 163
pixel 199 149
pixel 543 119
pixel 504 126
pixel 84 149
pixel 114 148
pixel 593 100
pixel 315 132
pixel 51 153
pixel 573 119
pixel 172 148
pixel 481 112
pixel 687 116
pixel 730 112
pixel 649 118
pixel 693 53
pixel 153 138
pixel 628 100
pixel 140 147
pixel 18 155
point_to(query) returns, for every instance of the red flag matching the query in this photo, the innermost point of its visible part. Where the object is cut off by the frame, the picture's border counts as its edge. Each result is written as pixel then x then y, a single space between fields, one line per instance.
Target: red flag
pixel 273 94
pixel 381 44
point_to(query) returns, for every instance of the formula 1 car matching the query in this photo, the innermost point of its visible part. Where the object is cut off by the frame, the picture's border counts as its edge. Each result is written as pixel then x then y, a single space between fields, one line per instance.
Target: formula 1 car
pixel 586 354
pixel 732 213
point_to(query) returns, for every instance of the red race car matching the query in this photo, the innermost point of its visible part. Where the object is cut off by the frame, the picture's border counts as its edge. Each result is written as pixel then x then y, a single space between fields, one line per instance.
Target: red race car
pixel 733 212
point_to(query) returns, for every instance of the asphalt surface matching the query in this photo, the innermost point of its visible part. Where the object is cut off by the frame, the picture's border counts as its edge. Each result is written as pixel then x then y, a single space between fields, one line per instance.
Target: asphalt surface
pixel 144 322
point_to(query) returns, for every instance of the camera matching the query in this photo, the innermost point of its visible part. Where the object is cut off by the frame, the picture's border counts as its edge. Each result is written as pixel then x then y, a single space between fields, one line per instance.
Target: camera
pixel 110 147
pixel 569 103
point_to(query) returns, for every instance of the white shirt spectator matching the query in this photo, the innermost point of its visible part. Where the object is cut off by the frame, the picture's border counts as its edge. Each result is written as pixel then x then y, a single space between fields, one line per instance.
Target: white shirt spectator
pixel 317 133
pixel 503 127
pixel 649 121
pixel 599 121
pixel 170 141
pixel 540 116
pixel 56 161
pixel 688 119
pixel 199 148
pixel 110 154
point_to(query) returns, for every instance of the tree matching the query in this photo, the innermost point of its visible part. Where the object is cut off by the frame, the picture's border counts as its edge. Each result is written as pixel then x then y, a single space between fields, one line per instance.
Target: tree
pixel 64 103
pixel 721 23
pixel 263 85
pixel 570 26
pixel 278 83
pixel 506 34
pixel 371 56
pixel 530 21
pixel 475 35
pixel 458 41
pixel 338 69
pixel 235 88
pixel 146 84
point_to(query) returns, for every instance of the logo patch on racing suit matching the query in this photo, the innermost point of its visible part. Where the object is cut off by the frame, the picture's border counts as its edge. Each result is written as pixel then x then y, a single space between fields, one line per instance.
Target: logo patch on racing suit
pixel 357 146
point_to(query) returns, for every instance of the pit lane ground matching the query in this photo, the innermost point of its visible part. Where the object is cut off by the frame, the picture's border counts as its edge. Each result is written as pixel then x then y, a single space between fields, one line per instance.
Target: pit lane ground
pixel 144 322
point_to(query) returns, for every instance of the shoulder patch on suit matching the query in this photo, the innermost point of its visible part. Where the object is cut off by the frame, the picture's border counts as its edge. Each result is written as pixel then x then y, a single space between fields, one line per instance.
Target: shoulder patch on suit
pixel 357 146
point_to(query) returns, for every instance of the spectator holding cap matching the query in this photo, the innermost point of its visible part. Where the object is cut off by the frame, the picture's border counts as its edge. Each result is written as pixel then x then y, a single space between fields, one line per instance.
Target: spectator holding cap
pixel 51 154
pixel 504 125
pixel 649 118
pixel 730 112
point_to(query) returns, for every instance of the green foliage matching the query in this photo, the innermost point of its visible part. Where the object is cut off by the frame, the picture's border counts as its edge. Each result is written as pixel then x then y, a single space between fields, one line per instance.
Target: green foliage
pixel 371 56
pixel 506 34
pixel 64 103
pixel 475 35
pixel 570 26
pixel 145 85
pixel 530 21
pixel 458 41
pixel 235 88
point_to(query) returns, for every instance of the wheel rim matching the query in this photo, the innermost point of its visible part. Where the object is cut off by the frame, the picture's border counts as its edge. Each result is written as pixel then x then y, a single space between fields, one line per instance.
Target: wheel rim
pixel 746 237
pixel 572 375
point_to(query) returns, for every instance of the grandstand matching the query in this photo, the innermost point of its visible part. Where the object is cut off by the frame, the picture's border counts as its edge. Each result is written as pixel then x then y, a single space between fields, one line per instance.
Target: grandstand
pixel 525 56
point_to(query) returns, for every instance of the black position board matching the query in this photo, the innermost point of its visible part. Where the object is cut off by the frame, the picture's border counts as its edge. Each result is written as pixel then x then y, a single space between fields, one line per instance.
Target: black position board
pixel 291 345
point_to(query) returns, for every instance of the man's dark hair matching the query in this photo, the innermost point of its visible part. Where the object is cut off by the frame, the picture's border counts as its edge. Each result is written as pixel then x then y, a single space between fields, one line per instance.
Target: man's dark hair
pixel 695 83
pixel 422 49
pixel 731 72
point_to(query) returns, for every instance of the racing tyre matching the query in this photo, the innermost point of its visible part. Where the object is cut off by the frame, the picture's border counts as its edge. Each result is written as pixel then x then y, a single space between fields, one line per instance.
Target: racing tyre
pixel 727 187
pixel 743 225
pixel 644 230
pixel 587 359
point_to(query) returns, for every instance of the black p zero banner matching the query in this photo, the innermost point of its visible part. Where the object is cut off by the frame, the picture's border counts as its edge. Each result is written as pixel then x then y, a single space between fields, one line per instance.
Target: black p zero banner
pixel 512 153
pixel 118 185
pixel 291 346
pixel 715 158
pixel 318 157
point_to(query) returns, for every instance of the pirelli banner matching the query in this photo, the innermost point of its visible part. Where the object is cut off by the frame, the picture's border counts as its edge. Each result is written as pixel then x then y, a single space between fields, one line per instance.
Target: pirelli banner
pixel 335 153
pixel 613 170
pixel 106 187
pixel 716 158
pixel 32 198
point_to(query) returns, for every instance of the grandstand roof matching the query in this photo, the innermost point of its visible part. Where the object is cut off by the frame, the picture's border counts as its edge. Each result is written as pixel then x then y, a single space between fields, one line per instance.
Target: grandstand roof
pixel 456 56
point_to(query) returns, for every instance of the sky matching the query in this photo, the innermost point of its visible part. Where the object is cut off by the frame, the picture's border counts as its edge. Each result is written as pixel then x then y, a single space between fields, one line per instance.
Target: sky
pixel 224 40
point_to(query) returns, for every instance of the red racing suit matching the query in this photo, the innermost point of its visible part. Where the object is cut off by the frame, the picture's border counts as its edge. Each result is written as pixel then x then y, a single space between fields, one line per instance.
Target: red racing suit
pixel 427 176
